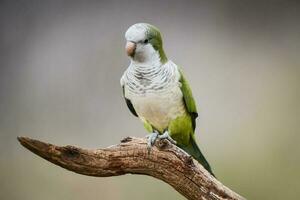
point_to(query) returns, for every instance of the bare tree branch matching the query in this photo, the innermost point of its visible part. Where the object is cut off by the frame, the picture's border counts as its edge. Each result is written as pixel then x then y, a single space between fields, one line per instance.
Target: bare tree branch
pixel 165 161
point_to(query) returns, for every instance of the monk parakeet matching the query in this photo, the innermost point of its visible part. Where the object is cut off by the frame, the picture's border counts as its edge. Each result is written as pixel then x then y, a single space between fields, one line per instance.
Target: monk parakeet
pixel 156 91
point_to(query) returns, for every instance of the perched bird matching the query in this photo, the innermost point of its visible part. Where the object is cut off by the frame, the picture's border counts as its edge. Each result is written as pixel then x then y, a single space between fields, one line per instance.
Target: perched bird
pixel 156 91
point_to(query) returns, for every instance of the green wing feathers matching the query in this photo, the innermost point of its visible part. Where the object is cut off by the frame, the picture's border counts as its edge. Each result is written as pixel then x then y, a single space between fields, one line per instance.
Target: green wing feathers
pixel 192 147
pixel 188 98
pixel 194 151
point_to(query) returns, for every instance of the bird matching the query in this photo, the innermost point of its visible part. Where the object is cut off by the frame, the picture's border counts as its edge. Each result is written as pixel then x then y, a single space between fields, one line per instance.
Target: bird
pixel 157 92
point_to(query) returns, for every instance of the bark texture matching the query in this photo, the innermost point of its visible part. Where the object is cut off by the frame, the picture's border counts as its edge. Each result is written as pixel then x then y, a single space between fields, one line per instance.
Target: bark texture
pixel 165 161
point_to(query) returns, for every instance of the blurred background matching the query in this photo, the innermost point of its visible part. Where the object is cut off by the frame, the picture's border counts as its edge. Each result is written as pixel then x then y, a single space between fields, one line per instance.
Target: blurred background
pixel 60 65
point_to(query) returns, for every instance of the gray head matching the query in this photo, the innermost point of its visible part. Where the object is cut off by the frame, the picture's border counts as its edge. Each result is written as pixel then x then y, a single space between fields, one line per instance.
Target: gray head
pixel 144 43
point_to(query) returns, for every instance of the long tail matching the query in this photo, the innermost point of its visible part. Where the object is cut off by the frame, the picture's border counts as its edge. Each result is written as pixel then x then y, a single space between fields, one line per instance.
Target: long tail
pixel 194 151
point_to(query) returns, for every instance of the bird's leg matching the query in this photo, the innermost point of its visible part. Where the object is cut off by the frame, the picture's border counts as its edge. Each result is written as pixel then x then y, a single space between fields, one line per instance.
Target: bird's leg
pixel 167 136
pixel 151 139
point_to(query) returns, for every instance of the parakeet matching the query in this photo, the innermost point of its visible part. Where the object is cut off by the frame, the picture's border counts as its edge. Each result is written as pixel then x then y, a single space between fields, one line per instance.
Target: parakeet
pixel 156 91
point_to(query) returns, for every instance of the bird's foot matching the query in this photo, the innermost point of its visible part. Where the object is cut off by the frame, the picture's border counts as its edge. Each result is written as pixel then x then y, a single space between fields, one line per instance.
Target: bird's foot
pixel 151 138
pixel 167 136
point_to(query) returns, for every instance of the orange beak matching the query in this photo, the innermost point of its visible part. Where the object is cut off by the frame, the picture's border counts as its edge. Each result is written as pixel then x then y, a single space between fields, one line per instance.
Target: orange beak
pixel 130 48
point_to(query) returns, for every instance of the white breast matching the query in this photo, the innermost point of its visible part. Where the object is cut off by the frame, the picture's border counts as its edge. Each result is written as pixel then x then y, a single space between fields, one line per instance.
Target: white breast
pixel 161 100
pixel 159 108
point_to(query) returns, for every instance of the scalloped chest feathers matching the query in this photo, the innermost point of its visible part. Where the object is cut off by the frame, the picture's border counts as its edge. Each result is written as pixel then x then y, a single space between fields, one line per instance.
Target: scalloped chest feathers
pixel 155 93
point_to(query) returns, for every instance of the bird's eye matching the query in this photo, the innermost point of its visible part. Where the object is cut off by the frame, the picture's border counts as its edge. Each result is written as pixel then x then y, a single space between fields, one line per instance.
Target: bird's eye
pixel 146 41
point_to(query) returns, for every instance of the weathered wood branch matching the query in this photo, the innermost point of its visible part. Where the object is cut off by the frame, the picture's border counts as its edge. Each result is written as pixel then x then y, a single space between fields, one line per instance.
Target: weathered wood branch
pixel 165 161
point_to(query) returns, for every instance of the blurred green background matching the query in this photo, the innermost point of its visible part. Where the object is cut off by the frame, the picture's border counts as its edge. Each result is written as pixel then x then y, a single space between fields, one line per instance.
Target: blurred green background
pixel 60 65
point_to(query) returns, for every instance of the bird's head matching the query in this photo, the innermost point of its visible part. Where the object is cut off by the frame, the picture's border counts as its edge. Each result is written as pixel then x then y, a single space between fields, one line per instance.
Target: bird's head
pixel 144 43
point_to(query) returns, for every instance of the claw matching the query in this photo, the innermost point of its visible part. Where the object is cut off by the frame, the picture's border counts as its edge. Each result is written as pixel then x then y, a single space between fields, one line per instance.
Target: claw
pixel 167 136
pixel 151 140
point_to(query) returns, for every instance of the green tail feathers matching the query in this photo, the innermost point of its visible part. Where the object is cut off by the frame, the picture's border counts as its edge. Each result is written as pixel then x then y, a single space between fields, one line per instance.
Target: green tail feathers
pixel 194 151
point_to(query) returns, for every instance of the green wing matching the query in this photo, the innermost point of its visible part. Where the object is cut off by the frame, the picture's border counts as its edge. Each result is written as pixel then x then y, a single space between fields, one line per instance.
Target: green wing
pixel 188 98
